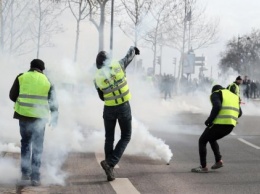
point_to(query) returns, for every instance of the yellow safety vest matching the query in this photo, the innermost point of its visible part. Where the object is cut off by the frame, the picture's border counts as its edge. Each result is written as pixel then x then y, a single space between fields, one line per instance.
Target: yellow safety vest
pixel 229 111
pixel 237 88
pixel 33 95
pixel 112 81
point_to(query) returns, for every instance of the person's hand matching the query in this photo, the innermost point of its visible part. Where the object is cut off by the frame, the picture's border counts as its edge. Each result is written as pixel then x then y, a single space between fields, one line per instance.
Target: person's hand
pixel 137 51
pixel 54 120
pixel 208 123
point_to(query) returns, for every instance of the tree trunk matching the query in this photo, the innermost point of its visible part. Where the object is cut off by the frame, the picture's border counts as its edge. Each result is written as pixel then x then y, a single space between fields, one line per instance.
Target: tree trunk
pixel 2 27
pixel 39 30
pixel 12 28
pixel 154 56
pixel 76 42
pixel 101 27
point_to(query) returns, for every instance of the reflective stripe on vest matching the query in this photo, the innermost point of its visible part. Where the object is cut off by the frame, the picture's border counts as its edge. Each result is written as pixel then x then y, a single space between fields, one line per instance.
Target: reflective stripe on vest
pixel 112 81
pixel 116 97
pixel 228 114
pixel 33 95
pixel 109 90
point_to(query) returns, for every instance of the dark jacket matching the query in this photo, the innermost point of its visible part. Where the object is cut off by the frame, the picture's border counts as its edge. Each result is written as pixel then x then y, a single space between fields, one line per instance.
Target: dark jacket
pixel 14 93
pixel 233 88
pixel 124 63
pixel 216 99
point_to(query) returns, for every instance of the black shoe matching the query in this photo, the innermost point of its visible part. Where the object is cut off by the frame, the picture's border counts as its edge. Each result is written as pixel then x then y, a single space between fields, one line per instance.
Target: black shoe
pixel 35 183
pixel 109 170
pixel 25 177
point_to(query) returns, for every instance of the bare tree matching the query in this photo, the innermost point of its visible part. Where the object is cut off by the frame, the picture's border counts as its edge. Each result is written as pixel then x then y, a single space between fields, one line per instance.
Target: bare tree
pixel 98 19
pixel 136 10
pixel 45 25
pixel 201 31
pixel 242 54
pixel 190 29
pixel 4 9
pixel 80 10
pixel 160 12
pixel 14 26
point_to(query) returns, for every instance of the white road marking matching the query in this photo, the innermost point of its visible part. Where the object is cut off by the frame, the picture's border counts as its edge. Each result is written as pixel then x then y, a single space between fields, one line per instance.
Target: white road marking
pixel 100 157
pixel 120 185
pixel 232 133
pixel 246 142
pixel 123 185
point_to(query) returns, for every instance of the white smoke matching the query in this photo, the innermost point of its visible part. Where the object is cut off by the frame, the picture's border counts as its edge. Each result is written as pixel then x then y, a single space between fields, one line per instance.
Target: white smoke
pixel 81 127
pixel 9 147
pixel 142 143
pixel 9 170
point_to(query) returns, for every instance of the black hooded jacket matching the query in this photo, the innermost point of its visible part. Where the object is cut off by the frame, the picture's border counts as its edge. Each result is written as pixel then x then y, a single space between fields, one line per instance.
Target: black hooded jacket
pixel 216 100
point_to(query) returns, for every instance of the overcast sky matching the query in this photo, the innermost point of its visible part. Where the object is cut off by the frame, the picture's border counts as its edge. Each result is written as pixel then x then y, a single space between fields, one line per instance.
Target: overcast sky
pixel 237 17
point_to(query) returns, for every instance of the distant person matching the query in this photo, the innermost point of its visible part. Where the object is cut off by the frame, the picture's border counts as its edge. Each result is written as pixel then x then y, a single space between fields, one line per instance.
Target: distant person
pixel 234 87
pixel 220 123
pixel 247 89
pixel 245 81
pixel 253 89
pixel 34 98
pixel 167 87
pixel 112 87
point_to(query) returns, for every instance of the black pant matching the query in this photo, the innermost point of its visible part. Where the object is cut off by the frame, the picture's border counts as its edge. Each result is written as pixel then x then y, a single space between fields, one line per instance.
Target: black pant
pixel 211 135
pixel 111 114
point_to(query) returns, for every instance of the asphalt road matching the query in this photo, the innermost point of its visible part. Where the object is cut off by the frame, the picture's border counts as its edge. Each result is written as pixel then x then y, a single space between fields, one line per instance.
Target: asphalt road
pixel 240 175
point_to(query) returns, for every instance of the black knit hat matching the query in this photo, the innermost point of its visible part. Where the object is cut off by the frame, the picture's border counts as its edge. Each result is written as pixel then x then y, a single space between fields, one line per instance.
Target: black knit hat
pixel 101 57
pixel 239 78
pixel 216 87
pixel 37 63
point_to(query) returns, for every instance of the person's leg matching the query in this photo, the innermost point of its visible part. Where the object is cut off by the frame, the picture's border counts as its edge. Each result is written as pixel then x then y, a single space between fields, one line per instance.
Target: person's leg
pixel 109 116
pixel 218 132
pixel 125 123
pixel 203 140
pixel 37 148
pixel 26 136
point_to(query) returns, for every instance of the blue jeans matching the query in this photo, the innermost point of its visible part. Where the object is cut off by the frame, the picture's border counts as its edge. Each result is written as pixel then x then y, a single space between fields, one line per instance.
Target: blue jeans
pixel 111 114
pixel 32 134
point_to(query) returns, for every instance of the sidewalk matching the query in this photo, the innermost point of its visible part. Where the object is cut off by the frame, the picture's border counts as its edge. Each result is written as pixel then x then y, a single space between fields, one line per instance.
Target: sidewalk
pixel 84 176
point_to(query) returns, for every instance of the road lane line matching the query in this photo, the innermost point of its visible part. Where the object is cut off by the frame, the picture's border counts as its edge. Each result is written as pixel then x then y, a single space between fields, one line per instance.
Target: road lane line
pixel 232 133
pixel 248 143
pixel 123 185
pixel 100 157
pixel 120 185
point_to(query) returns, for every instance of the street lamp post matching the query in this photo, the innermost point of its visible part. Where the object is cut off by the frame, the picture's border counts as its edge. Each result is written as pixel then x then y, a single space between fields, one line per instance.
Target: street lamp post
pixel 112 27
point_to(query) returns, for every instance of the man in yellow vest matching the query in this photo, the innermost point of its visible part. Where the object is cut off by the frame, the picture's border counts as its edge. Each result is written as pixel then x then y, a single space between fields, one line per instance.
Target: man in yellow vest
pixel 111 84
pixel 223 118
pixel 234 87
pixel 34 98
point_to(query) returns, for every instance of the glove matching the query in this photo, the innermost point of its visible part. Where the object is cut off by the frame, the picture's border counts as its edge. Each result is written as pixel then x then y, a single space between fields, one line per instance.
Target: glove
pixel 54 119
pixel 137 52
pixel 208 123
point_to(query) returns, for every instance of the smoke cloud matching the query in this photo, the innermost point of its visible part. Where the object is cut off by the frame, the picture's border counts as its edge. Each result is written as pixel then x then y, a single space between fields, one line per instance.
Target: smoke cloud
pixel 80 127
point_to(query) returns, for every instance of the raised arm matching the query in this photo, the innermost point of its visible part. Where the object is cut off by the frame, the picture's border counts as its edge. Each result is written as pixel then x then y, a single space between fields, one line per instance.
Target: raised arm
pixel 129 57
